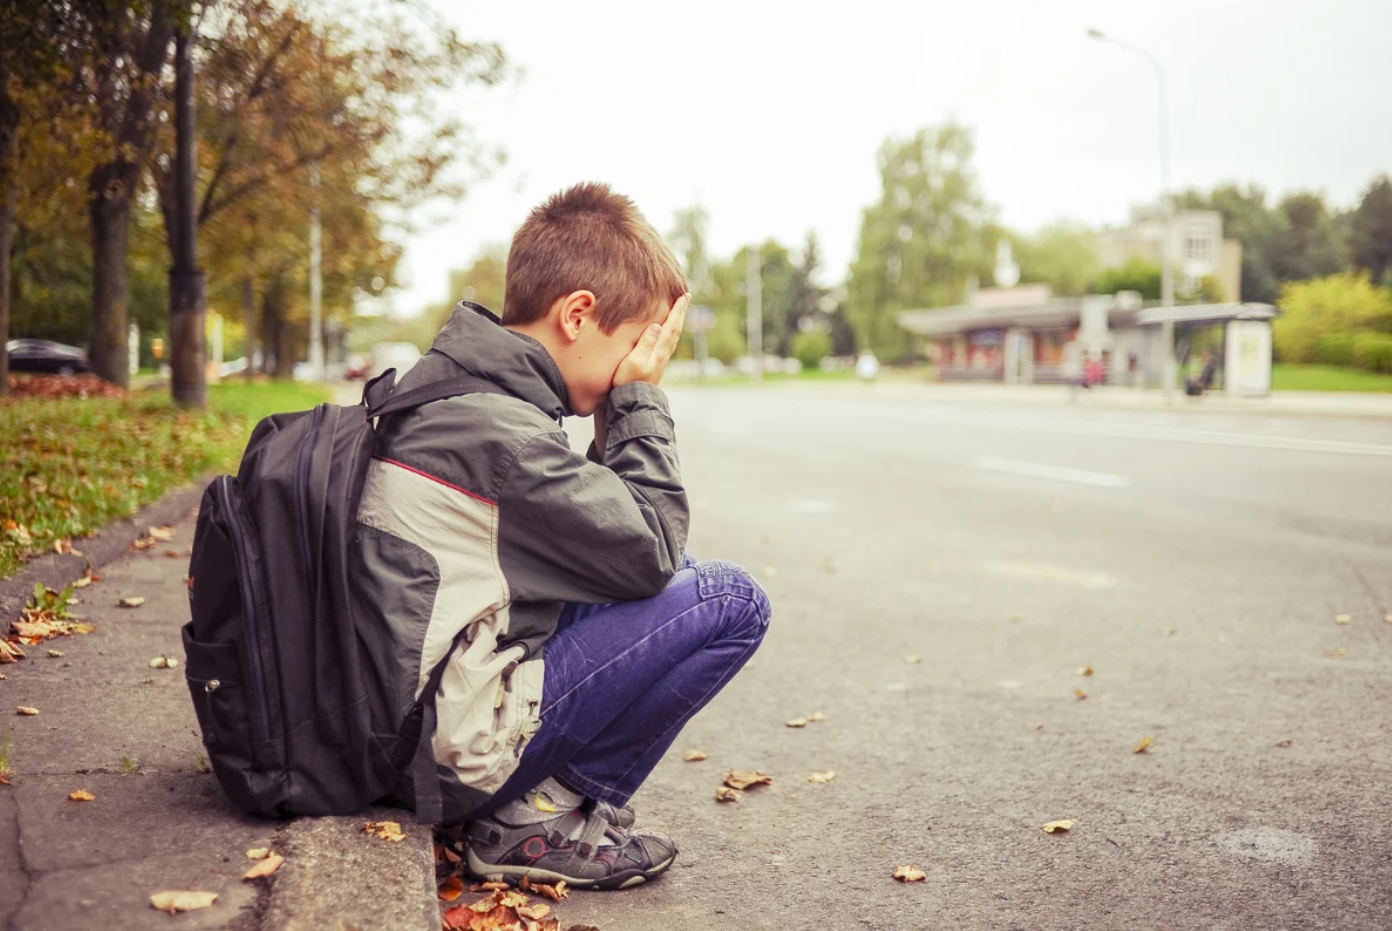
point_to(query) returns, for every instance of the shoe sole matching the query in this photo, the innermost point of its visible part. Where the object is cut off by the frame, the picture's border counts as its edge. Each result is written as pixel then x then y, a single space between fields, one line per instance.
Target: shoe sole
pixel 490 872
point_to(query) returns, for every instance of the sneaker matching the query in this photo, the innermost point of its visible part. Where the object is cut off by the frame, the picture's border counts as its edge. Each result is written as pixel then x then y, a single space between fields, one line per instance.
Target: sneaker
pixel 552 834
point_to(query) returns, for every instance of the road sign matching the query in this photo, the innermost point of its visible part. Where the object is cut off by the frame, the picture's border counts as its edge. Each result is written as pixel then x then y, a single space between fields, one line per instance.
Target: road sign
pixel 700 319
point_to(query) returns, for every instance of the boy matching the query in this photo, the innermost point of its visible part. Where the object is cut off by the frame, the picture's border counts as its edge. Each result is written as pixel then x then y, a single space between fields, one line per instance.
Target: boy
pixel 586 637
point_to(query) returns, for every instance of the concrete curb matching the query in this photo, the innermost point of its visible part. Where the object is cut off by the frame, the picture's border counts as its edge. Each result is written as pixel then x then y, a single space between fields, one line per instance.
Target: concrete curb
pixel 102 547
pixel 332 879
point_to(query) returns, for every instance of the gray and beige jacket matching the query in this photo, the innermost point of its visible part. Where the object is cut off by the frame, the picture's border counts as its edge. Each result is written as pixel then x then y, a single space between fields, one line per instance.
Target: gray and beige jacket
pixel 478 521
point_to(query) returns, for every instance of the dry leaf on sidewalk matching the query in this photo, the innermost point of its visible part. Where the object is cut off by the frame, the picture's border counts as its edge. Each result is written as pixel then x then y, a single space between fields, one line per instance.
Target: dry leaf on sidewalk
pixel 451 889
pixel 822 777
pixel 258 853
pixel 131 601
pixel 182 901
pixel 9 653
pixel 909 874
pixel 726 794
pixel 386 830
pixel 1085 671
pixel 163 534
pixel 1142 746
pixel 164 662
pixel 797 722
pixel 1054 827
pixel 743 779
pixel 554 893
pixel 81 795
pixel 25 710
pixel 1342 619
pixel 264 867
pixel 816 717
pixel 1080 694
pixel 913 659
pixel 694 756
pixel 55 653
pixel 1284 744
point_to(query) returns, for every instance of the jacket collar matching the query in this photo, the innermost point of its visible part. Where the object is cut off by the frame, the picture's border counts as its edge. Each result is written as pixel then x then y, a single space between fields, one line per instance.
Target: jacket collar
pixel 475 340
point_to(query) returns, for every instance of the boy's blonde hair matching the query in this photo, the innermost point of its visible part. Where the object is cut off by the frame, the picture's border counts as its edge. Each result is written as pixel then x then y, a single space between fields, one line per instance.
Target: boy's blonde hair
pixel 589 238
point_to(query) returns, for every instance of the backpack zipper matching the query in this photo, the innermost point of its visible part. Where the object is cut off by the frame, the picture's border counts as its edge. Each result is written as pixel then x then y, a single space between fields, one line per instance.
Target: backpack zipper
pixel 250 603
pixel 304 461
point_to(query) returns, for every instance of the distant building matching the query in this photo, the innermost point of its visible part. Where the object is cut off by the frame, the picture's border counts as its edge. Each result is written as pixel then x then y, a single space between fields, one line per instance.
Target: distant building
pixel 1197 248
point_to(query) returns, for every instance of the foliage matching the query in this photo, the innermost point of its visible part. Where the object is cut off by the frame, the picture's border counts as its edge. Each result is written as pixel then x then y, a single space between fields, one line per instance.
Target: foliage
pixel 482 282
pixel 1063 256
pixel 69 467
pixel 923 240
pixel 1136 274
pixel 1372 352
pixel 810 347
pixel 1338 305
pixel 1370 231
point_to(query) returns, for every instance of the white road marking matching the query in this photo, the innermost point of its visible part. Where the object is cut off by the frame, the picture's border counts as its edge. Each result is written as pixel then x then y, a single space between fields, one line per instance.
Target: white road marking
pixel 1047 573
pixel 1057 473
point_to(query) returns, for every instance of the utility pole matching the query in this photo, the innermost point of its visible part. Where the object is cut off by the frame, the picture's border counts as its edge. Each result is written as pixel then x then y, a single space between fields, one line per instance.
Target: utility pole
pixel 316 283
pixel 187 299
pixel 1168 376
pixel 753 285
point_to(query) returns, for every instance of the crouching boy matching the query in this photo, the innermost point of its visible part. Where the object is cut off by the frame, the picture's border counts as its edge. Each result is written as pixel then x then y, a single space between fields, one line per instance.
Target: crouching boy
pixel 584 639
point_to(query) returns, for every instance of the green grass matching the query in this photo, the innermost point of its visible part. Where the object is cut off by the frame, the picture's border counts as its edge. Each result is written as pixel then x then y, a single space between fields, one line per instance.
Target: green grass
pixel 69 466
pixel 1288 377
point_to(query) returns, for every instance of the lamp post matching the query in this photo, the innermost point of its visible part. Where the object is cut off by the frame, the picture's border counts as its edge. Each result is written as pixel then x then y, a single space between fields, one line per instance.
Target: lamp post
pixel 1166 213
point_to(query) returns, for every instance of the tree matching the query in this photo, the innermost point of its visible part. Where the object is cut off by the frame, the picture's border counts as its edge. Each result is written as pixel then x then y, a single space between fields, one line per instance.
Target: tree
pixel 1136 274
pixel 129 50
pixel 1370 231
pixel 1321 319
pixel 483 282
pixel 1307 242
pixel 1062 255
pixel 924 239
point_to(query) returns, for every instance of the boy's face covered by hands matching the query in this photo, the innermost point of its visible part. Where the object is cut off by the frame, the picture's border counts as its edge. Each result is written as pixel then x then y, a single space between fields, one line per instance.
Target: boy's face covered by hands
pixel 596 361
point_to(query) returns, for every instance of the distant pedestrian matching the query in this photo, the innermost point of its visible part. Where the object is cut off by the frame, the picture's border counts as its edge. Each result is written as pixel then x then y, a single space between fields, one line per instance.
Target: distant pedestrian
pixel 1197 386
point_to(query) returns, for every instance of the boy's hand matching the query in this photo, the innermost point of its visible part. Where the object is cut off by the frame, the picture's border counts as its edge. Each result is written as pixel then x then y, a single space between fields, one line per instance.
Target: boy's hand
pixel 649 358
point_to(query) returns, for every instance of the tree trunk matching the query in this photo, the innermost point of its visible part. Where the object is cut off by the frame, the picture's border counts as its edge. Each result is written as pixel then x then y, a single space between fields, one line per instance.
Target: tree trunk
pixel 188 381
pixel 249 320
pixel 110 214
pixel 9 122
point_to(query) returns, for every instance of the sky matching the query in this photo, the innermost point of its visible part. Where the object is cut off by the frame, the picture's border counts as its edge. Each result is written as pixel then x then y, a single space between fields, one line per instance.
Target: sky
pixel 771 114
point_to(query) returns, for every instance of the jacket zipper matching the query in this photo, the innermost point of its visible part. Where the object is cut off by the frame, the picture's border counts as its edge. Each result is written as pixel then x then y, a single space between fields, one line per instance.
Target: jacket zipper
pixel 250 603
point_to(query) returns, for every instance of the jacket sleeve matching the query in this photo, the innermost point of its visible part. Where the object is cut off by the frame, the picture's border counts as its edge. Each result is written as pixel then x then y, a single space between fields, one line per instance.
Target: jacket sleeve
pixel 570 529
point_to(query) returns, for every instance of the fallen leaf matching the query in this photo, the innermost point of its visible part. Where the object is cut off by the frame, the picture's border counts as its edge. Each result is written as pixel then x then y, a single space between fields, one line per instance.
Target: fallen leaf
pixel 81 795
pixel 1055 826
pixel 83 582
pixel 164 662
pixel 1168 631
pixel 726 794
pixel 1039 727
pixel 816 717
pixel 1017 618
pixel 1335 654
pixel 386 830
pixel 62 546
pixel 1141 747
pixel 796 722
pixel 451 889
pixel 1342 619
pixel 525 885
pixel 22 709
pixel 743 779
pixel 554 893
pixel 822 777
pixel 1085 671
pixel 1080 693
pixel 55 653
pixel 909 874
pixel 131 601
pixel 4 780
pixel 172 902
pixel 9 653
pixel 264 867
pixel 694 756
pixel 1283 744
pixel 534 912
pixel 913 659
pixel 456 918
pixel 1387 618
pixel 163 534
pixel 172 554
pixel 497 887
pixel 258 853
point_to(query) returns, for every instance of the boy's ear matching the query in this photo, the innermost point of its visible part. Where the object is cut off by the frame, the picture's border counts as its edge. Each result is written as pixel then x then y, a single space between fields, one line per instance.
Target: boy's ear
pixel 576 313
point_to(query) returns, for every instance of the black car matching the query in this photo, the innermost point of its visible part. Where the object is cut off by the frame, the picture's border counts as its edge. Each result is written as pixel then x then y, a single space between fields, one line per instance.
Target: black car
pixel 42 355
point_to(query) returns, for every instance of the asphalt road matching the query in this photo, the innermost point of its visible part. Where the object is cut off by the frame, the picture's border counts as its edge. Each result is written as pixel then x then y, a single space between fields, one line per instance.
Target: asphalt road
pixel 1196 562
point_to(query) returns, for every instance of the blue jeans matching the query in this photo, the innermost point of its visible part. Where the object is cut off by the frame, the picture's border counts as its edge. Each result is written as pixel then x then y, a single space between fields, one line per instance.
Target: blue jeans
pixel 622 679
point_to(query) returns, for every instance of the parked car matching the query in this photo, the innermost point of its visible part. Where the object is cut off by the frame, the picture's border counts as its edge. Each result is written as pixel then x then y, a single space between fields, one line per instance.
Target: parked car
pixel 42 355
pixel 356 366
pixel 399 356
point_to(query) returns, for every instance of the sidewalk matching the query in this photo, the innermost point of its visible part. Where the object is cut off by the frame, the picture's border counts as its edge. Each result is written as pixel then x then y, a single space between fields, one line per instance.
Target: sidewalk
pixel 110 724
pixel 1112 397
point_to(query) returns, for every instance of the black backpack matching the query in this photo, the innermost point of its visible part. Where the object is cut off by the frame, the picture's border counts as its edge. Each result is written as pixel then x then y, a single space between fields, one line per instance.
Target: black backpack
pixel 296 719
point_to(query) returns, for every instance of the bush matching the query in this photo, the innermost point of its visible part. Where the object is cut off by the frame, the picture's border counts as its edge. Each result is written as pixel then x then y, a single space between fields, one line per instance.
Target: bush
pixel 1339 305
pixel 1335 348
pixel 810 348
pixel 1372 352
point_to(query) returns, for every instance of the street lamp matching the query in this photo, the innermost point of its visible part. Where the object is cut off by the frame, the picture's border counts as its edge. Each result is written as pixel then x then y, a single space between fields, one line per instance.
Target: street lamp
pixel 1166 212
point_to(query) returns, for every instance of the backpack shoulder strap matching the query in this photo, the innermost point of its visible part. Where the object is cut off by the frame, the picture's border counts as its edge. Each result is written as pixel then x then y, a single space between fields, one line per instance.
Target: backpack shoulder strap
pixel 435 391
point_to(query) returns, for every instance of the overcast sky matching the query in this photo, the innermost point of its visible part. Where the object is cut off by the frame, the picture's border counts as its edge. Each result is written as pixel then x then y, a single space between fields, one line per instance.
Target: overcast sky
pixel 771 114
